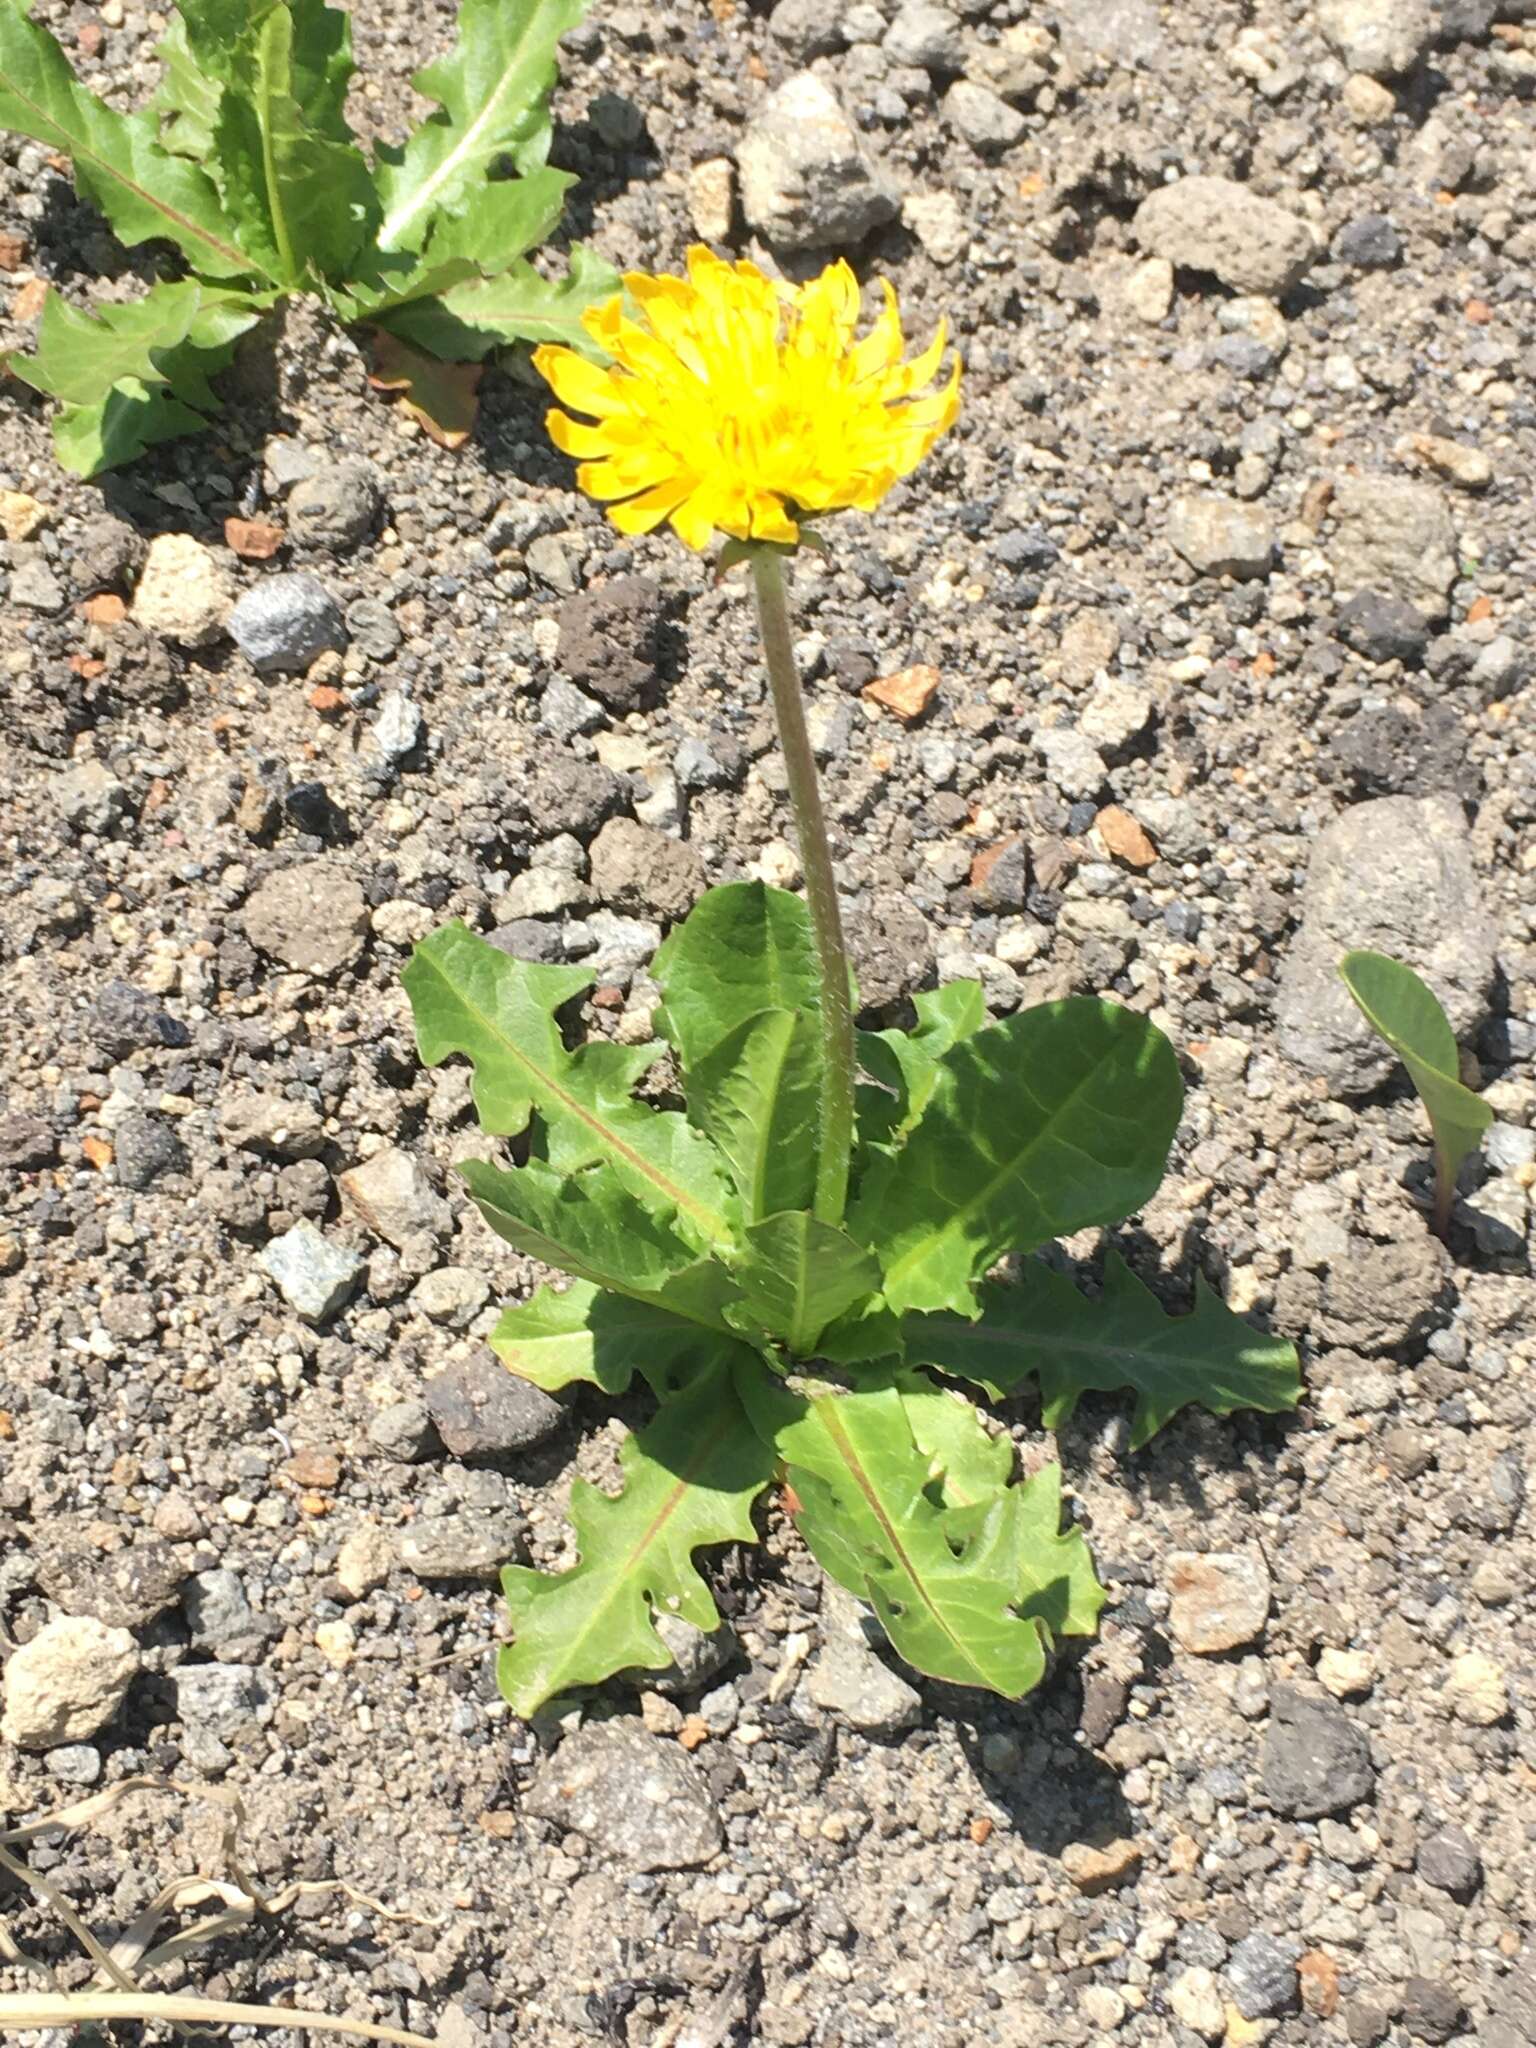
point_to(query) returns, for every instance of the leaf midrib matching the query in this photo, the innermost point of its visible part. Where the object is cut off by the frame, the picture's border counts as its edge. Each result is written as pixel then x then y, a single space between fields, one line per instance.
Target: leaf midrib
pixel 826 1407
pixel 706 1219
pixel 83 149
pixel 425 196
pixel 923 1248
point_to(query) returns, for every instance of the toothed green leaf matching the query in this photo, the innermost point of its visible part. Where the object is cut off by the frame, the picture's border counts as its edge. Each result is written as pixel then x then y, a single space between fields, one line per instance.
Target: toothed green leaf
pixel 742 949
pixel 797 1274
pixel 587 1333
pixel 757 1097
pixel 1053 1570
pixel 119 165
pixel 470 998
pixel 690 1478
pixel 1054 1119
pixel 903 1066
pixel 961 1589
pixel 467 320
pixel 1044 1328
pixel 298 196
pixel 492 91
pixel 203 51
pixel 588 1224
pixel 129 376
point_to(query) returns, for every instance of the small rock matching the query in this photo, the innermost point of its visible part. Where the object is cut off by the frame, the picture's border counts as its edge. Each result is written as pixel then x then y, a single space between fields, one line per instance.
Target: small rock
pixel 1222 536
pixel 928 37
pixel 394 1197
pixel 373 628
pixel 27 1144
pixel 1383 628
pixel 1000 874
pixel 848 1678
pixel 1315 1760
pixel 545 892
pixel 1124 838
pixel 1221 227
pixel 364 1559
pixel 1450 1862
pixel 1475 1690
pixel 312 917
pixel 219 1613
pixel 1149 290
pixel 982 118
pixel 473 1544
pixel 641 1802
pixel 557 793
pixel 124 1019
pixel 1196 2000
pixel 908 692
pixel 1262 1974
pixel 313 1276
pixel 21 516
pixel 105 555
pixel 1369 242
pixel 1117 712
pixel 1367 102
pixel 1378 38
pixel 77 1763
pixel 66 1683
pixel 183 591
pixel 1220 1599
pixel 397 729
pixel 484 1411
pixel 1072 762
pixel 89 797
pixel 1394 875
pixel 285 622
pixel 1432 2011
pixel 146 1147
pixel 335 509
pixel 806 180
pixel 1017 66
pixel 1346 1674
pixel 548 558
pixel 1394 535
pixel 1103 2007
pixel 697 1655
pixel 219 1700
pixel 272 1123
pixel 35 588
pixel 610 641
pixel 1467 467
pixel 1095 1870
pixel 404 1431
pixel 807 28
pixel 644 872
pixel 711 187
pixel 939 223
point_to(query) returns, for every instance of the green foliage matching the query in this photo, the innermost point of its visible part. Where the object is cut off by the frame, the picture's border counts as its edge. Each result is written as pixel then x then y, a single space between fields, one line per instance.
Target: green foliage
pixel 1044 1329
pixel 245 163
pixel 1408 1016
pixel 771 1340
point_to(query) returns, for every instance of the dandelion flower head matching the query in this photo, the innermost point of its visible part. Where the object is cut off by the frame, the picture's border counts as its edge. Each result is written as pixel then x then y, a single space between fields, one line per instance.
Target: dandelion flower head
pixel 737 404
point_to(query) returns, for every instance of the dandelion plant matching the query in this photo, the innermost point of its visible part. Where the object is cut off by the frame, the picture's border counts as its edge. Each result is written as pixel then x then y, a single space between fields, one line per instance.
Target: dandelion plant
pixel 800 1261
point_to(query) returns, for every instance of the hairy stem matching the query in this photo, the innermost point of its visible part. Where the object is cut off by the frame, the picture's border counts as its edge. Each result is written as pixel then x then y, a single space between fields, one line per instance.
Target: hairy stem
pixel 835 1140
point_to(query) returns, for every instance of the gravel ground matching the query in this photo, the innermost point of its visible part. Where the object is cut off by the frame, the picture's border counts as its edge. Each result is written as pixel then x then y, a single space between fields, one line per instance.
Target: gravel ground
pixel 1223 585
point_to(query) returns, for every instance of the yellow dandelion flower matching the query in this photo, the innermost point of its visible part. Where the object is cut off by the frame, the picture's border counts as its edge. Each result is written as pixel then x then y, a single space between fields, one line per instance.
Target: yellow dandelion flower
pixel 739 405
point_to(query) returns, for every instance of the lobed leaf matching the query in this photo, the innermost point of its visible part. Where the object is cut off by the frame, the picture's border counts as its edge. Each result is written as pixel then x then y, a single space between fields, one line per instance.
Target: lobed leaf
pixel 798 1274
pixel 690 1478
pixel 963 1589
pixel 470 318
pixel 298 196
pixel 756 1096
pixel 903 1066
pixel 1044 1328
pixel 119 165
pixel 742 949
pixel 128 376
pixel 1052 1120
pixel 589 1334
pixel 492 91
pixel 470 998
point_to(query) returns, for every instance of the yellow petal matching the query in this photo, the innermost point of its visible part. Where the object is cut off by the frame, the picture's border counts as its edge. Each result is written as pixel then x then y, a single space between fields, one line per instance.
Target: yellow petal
pixel 576 382
pixel 577 437
pixel 621 476
pixel 640 515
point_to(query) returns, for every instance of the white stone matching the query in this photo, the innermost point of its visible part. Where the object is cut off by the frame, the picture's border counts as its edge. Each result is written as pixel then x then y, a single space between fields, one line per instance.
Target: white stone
pixel 67 1683
pixel 183 592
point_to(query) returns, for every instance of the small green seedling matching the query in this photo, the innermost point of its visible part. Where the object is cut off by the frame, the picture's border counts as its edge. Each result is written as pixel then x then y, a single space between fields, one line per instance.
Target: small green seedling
pixel 244 161
pixel 1409 1017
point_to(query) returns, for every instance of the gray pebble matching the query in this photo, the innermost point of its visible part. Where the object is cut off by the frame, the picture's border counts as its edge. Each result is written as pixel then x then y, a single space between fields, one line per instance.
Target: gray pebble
pixel 313 1276
pixel 285 622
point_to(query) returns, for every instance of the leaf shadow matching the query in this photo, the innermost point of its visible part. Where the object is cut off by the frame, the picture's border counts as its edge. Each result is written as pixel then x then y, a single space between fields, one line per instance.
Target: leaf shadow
pixel 1024 1757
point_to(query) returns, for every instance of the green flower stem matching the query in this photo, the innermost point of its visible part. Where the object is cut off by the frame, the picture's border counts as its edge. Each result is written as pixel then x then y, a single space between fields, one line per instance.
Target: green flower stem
pixel 835 1141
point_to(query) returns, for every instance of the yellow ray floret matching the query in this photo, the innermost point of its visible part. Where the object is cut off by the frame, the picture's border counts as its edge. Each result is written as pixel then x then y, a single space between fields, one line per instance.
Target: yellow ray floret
pixel 737 405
